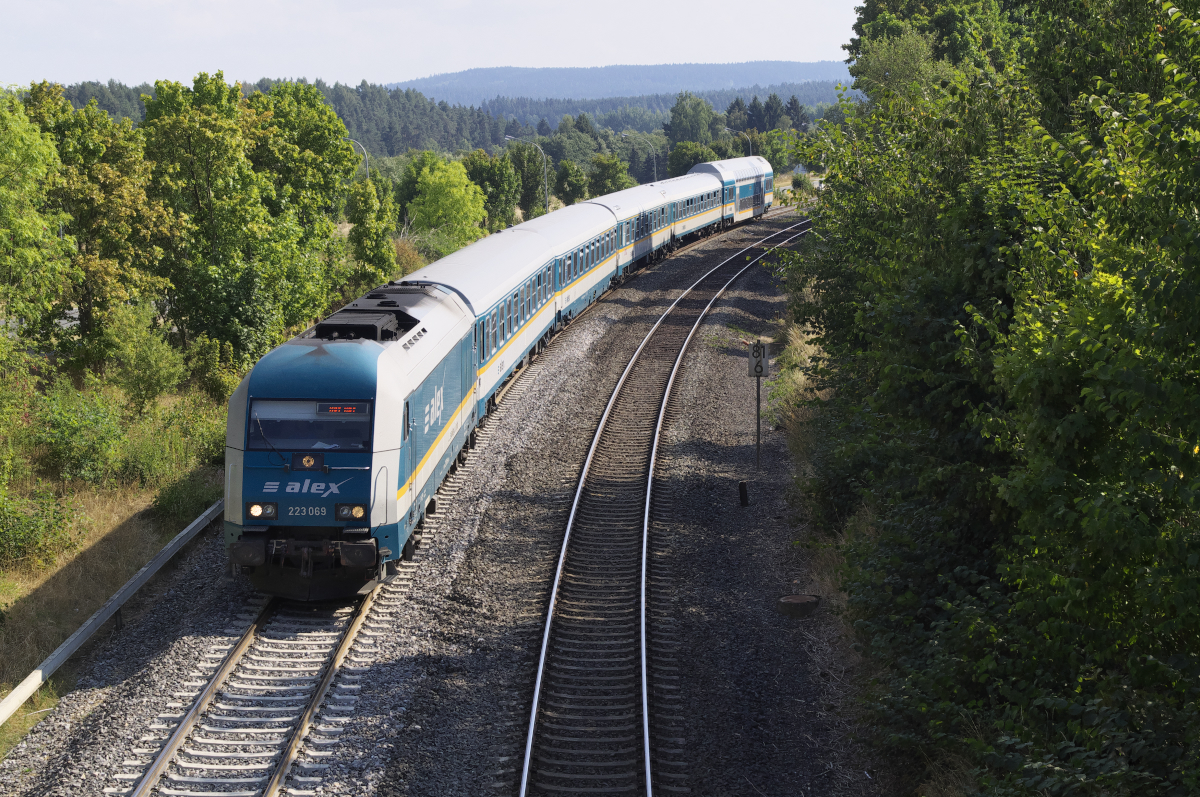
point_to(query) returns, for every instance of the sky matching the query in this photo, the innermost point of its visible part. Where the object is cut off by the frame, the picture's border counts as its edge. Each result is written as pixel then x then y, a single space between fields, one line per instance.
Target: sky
pixel 133 41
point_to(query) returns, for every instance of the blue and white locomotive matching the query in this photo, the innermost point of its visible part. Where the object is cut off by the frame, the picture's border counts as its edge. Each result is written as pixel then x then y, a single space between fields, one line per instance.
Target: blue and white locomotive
pixel 338 439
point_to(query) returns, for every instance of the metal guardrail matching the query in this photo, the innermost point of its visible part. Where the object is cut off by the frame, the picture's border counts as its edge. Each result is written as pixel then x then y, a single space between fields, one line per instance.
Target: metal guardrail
pixel 35 679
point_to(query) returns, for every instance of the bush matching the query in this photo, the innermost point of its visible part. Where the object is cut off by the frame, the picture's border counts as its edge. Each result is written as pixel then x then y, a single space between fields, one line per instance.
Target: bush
pixel 211 368
pixel 80 432
pixel 181 501
pixel 32 530
pixel 147 366
pixel 159 448
pixel 408 258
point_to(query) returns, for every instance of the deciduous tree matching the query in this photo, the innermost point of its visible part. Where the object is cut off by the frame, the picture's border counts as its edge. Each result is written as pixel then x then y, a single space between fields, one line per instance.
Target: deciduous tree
pixel 304 153
pixel 237 273
pixel 449 203
pixel 33 258
pixel 570 182
pixel 609 174
pixel 372 211
pixel 691 120
pixel 687 154
pixel 116 227
pixel 529 166
pixel 501 186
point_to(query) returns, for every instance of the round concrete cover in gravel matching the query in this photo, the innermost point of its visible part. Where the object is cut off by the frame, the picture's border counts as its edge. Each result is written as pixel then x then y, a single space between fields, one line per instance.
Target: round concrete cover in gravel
pixel 798 605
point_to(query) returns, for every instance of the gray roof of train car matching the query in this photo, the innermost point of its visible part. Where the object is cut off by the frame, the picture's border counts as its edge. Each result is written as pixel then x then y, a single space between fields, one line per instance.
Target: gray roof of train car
pixel 632 201
pixel 734 169
pixel 489 269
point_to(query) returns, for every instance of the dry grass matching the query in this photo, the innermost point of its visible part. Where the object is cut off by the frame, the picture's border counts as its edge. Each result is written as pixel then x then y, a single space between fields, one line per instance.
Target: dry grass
pixel 841 675
pixel 41 608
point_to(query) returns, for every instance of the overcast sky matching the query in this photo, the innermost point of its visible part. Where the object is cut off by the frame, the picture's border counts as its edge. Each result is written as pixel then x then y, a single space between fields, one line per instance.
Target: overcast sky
pixel 141 40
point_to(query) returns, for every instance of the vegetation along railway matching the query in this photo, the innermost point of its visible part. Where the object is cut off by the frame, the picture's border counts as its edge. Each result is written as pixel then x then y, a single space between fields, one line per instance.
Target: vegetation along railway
pixel 327 496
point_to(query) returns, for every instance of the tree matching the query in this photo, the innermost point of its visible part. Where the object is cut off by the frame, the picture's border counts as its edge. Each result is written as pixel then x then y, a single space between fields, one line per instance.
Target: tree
pixel 609 175
pixel 773 112
pixel 33 259
pixel 777 146
pixel 691 120
pixel 573 146
pixel 543 128
pixel 798 114
pixel 372 211
pixel 147 366
pixel 532 169
pixel 756 115
pixel 305 153
pixel 570 182
pixel 899 63
pixel 102 186
pixel 687 154
pixel 450 204
pixel 583 124
pixel 501 186
pixel 406 186
pixel 237 273
pixel 736 116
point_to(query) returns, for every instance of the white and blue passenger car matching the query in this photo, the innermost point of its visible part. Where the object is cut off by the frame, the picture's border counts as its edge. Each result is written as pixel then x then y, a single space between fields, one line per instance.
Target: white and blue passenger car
pixel 337 440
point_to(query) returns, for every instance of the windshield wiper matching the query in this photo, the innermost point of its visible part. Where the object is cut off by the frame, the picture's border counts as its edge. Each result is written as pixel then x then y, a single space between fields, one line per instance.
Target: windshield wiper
pixel 267 440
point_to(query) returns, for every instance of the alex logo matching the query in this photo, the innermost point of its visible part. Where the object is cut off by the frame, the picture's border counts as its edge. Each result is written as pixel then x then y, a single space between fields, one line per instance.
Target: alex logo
pixel 308 486
pixel 433 410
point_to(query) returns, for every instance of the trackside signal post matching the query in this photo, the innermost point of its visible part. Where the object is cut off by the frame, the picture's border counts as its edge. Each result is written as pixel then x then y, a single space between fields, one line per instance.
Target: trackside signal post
pixel 760 366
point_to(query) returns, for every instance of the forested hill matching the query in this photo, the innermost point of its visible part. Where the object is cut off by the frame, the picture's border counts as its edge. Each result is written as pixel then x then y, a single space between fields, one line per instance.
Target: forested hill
pixel 647 112
pixel 119 100
pixel 475 86
pixel 392 121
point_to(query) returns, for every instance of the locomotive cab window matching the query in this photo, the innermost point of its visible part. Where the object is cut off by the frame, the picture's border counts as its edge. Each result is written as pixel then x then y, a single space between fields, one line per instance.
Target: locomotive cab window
pixel 309 426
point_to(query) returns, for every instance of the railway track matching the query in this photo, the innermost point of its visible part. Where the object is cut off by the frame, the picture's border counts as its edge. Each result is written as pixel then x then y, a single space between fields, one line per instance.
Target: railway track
pixel 262 710
pixel 603 718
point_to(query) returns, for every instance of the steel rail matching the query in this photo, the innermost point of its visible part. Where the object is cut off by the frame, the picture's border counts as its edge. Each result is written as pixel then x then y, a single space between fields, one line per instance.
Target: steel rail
pixel 662 413
pixel 349 635
pixel 575 507
pixel 171 746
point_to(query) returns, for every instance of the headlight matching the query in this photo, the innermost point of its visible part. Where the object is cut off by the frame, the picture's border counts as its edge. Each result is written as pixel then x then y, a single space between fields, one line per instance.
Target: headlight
pixel 349 511
pixel 262 510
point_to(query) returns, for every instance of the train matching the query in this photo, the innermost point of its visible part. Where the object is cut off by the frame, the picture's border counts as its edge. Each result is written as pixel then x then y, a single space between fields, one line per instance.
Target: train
pixel 337 440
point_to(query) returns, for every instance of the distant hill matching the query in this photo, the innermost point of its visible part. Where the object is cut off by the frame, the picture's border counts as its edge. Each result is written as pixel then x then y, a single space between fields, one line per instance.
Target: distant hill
pixel 390 121
pixel 476 86
pixel 648 111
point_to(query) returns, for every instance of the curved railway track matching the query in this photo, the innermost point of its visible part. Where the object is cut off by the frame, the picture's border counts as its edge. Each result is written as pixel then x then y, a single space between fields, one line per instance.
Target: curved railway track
pixel 603 719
